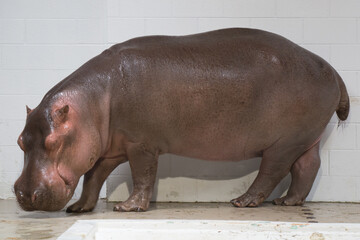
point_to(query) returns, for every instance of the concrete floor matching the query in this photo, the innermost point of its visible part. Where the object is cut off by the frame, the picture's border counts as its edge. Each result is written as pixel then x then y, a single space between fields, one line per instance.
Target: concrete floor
pixel 18 224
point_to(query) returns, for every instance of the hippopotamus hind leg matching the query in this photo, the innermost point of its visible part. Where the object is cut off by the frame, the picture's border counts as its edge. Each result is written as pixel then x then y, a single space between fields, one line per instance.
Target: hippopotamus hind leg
pixel 303 173
pixel 275 165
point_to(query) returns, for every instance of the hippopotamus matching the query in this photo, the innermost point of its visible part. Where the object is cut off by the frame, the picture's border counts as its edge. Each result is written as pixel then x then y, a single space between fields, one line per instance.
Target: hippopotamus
pixel 224 95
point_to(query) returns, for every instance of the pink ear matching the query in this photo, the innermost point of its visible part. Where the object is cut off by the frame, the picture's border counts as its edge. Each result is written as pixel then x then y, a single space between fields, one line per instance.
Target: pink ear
pixel 64 109
pixel 28 110
pixel 60 115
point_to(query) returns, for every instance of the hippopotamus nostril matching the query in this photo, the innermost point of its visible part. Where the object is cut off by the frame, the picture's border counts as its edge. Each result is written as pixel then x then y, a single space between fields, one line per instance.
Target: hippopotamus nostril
pixel 35 196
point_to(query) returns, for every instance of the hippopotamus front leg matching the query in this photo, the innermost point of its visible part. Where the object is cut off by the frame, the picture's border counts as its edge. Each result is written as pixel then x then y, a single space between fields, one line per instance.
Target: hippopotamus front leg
pixel 143 164
pixel 93 181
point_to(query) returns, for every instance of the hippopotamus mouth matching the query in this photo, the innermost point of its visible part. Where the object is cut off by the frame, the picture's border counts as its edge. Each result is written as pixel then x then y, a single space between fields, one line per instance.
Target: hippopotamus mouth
pixel 70 185
pixel 49 192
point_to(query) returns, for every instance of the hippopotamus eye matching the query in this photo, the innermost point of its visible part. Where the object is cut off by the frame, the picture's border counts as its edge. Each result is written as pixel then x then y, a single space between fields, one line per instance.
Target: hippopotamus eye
pixel 20 142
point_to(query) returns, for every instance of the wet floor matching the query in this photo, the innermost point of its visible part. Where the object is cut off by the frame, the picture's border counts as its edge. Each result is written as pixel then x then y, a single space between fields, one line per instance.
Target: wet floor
pixel 18 224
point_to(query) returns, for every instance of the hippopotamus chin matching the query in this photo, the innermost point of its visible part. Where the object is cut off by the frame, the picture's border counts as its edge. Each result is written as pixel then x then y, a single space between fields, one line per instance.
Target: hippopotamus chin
pixel 225 95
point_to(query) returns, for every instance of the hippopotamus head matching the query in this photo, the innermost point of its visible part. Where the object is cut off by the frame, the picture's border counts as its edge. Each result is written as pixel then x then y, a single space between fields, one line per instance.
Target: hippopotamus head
pixel 58 149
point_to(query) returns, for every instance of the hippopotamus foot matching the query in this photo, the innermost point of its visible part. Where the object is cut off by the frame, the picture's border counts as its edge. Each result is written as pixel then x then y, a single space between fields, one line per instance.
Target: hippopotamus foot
pixel 81 206
pixel 143 164
pixel 135 203
pixel 93 181
pixel 303 173
pixel 248 200
pixel 289 201
pixel 275 165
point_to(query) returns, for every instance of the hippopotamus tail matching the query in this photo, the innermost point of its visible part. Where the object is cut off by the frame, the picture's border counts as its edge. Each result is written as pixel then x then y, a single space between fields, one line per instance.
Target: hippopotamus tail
pixel 342 111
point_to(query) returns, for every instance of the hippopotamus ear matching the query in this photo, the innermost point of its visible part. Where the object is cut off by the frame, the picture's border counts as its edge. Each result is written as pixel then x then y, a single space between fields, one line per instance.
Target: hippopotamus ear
pixel 64 110
pixel 60 114
pixel 28 110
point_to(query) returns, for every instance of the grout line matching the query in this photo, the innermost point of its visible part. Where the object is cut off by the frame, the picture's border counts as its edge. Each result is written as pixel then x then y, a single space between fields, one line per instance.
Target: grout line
pixel 219 17
pixel 303 30
pixel 357 29
pixel 356 137
pixel 25 32
pixel 105 38
pixel 223 8
pixel 328 162
pixel 276 8
pixel 50 19
pixel 100 44
pixel 1 57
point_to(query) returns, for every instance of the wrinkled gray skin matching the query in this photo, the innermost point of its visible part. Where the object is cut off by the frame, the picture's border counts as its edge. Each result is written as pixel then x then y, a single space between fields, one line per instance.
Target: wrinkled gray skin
pixel 225 95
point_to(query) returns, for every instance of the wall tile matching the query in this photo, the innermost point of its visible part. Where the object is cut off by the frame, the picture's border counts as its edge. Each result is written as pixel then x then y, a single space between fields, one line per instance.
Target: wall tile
pixel 125 8
pixel 10 131
pixel 12 31
pixel 245 8
pixel 222 190
pixel 208 24
pixel 118 188
pixel 339 138
pixel 140 8
pixel 52 9
pixel 158 8
pixel 358 30
pixel 78 190
pixel 197 8
pixel 30 82
pixel 351 82
pixel 178 189
pixel 304 8
pixel 319 30
pixel 324 167
pixel 7 180
pixel 348 8
pixel 52 31
pixel 113 8
pixel 48 57
pixel 287 27
pixel 354 115
pixel 14 109
pixel 320 50
pixel 11 159
pixel 346 57
pixel 345 163
pixel 334 189
pixel 171 26
pixel 122 29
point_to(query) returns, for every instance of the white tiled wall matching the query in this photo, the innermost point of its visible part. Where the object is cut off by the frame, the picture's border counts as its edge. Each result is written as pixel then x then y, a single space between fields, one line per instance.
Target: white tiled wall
pixel 43 41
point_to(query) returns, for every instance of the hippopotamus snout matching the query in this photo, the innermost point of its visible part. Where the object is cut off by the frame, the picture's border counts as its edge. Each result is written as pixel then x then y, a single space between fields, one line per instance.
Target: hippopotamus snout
pixel 46 195
pixel 28 199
